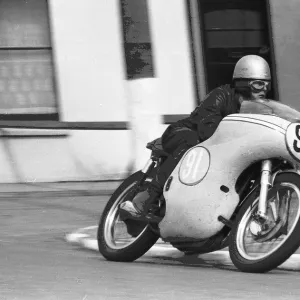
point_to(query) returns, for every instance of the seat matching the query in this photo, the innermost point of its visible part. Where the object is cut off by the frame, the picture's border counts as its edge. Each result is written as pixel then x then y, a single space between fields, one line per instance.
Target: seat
pixel 156 147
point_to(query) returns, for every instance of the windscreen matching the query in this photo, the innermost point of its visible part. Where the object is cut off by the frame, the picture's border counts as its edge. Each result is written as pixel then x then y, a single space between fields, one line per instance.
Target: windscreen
pixel 270 107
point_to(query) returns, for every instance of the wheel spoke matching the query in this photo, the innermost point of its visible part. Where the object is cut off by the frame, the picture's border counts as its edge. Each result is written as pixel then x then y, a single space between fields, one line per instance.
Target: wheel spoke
pixel 274 204
pixel 116 231
pixel 254 242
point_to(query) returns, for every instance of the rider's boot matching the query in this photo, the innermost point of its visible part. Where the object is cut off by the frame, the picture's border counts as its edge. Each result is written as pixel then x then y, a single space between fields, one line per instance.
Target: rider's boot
pixel 142 203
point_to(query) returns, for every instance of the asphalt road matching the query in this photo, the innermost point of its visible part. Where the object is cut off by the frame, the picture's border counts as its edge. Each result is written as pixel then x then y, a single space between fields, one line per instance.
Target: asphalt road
pixel 37 263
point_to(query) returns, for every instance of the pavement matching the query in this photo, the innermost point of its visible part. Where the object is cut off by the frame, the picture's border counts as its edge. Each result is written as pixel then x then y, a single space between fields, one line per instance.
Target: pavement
pixel 58 189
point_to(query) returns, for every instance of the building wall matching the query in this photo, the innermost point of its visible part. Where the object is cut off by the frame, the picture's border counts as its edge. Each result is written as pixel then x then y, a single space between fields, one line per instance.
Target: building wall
pixel 173 63
pixel 285 17
pixel 91 86
pixel 90 77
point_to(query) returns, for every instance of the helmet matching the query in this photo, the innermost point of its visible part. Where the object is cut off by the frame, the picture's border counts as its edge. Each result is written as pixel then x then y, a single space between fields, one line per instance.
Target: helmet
pixel 252 67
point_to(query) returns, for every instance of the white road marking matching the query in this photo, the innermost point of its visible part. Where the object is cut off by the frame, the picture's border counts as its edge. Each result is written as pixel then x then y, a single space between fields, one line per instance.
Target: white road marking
pixel 76 237
pixel 4 241
pixel 166 250
pixel 87 228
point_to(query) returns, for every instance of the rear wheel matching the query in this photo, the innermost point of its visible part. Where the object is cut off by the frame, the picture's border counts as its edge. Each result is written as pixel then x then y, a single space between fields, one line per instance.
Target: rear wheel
pixel 124 240
pixel 259 247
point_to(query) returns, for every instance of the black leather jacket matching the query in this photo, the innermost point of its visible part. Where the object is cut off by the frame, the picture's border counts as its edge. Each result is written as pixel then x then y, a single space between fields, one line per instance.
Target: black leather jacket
pixel 205 119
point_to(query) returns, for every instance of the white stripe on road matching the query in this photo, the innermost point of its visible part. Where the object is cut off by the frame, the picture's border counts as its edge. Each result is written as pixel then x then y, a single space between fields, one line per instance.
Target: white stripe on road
pixel 86 229
pixel 76 237
pixel 167 251
pixel 92 244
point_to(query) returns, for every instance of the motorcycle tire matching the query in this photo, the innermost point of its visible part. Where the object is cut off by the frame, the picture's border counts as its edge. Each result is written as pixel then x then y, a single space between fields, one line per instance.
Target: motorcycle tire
pixel 143 241
pixel 281 254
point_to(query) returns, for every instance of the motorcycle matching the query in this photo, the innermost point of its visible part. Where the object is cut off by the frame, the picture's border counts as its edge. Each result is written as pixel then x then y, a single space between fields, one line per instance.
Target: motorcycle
pixel 238 189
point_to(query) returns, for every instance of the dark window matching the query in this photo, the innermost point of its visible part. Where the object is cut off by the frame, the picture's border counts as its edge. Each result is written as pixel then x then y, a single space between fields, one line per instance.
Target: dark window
pixel 232 29
pixel 137 40
pixel 26 70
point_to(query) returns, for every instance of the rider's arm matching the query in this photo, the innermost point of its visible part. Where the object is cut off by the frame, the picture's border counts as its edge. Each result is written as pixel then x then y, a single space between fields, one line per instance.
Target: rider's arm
pixel 210 113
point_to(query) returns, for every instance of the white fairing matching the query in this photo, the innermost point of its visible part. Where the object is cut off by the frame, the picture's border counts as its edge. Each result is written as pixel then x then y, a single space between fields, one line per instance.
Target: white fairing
pixel 195 198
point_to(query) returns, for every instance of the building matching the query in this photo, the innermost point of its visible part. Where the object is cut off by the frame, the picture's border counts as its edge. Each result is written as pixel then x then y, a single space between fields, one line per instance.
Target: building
pixel 69 61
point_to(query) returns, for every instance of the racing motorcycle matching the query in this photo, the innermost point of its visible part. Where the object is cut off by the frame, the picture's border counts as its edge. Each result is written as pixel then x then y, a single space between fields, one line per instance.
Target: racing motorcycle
pixel 239 189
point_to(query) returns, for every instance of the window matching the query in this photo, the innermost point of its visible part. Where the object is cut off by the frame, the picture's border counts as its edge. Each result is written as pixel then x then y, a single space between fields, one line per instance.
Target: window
pixel 232 29
pixel 26 70
pixel 137 40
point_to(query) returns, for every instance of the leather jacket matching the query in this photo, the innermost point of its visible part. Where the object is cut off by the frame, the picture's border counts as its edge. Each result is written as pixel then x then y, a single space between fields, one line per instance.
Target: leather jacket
pixel 219 103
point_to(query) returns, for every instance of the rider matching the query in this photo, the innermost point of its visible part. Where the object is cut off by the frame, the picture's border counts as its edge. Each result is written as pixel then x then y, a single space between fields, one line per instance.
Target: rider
pixel 251 81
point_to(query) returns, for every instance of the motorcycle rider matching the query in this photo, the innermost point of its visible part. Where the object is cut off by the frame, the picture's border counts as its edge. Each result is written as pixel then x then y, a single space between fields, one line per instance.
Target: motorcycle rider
pixel 251 81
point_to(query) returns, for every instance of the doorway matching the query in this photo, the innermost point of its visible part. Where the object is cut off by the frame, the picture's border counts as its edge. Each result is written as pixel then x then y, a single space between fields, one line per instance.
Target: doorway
pixel 231 29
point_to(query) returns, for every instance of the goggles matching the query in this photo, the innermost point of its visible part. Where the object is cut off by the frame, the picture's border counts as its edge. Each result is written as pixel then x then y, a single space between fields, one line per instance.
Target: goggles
pixel 259 85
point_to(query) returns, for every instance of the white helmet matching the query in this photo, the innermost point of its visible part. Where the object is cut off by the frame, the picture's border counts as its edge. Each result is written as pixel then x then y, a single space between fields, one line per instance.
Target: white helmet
pixel 252 67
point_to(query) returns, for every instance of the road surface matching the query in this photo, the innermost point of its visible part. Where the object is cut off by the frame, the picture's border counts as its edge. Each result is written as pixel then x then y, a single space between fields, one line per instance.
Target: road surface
pixel 37 263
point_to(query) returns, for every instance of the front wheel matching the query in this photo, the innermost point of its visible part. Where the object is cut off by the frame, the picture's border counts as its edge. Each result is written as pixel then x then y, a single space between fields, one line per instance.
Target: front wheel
pixel 127 240
pixel 259 247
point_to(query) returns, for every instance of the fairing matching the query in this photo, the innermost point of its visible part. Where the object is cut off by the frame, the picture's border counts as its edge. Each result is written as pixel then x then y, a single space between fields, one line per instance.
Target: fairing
pixel 194 204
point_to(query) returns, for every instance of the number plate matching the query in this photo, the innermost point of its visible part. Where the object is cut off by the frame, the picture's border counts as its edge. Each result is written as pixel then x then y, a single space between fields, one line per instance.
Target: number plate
pixel 194 166
pixel 293 140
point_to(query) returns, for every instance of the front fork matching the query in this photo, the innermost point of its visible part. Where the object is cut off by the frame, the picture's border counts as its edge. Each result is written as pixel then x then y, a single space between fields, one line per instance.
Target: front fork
pixel 149 166
pixel 265 183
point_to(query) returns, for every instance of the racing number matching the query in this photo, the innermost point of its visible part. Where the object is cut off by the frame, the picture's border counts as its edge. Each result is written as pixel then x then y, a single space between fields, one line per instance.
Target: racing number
pixel 295 144
pixel 191 165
